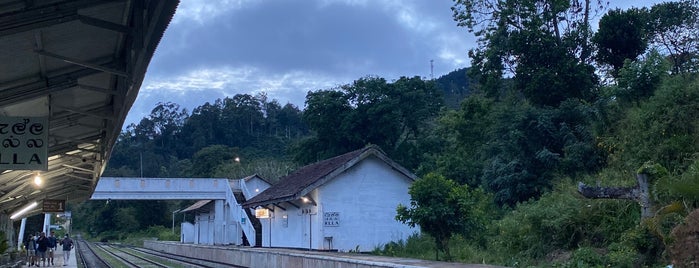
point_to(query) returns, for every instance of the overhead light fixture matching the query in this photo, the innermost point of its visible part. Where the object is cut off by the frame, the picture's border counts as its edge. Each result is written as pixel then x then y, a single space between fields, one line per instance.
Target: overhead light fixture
pixel 305 199
pixel 24 210
pixel 38 180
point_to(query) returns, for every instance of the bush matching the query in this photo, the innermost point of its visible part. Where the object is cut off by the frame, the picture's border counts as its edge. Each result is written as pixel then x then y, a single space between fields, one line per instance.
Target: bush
pixel 419 246
pixel 561 220
pixel 587 257
pixel 622 255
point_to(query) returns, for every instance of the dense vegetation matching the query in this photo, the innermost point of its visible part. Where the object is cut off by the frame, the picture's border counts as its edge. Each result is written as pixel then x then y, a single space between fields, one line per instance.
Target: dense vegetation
pixel 549 103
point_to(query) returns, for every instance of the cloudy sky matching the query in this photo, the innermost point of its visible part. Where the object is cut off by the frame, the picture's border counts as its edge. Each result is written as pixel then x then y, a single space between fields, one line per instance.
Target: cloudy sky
pixel 285 48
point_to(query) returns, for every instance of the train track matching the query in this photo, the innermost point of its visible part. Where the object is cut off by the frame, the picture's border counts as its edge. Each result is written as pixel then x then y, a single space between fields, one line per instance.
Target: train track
pixel 118 255
pixel 88 257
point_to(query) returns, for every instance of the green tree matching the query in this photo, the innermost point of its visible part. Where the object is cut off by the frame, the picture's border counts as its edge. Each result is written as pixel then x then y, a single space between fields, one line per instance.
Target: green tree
pixel 465 134
pixel 370 110
pixel 638 80
pixel 675 28
pixel 545 45
pixel 202 128
pixel 442 209
pixel 206 160
pixel 662 129
pixel 622 35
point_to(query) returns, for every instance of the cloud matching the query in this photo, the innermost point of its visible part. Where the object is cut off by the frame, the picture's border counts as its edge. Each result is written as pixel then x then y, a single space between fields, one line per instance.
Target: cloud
pixel 228 81
pixel 201 11
pixel 214 49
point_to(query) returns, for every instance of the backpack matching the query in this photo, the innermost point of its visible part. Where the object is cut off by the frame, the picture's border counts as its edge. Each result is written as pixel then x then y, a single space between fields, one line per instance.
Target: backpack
pixel 67 244
pixel 52 242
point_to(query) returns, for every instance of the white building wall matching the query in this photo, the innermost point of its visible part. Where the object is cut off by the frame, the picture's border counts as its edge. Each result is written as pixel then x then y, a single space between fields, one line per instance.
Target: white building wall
pixel 187 234
pixel 204 229
pixel 365 196
pixel 255 186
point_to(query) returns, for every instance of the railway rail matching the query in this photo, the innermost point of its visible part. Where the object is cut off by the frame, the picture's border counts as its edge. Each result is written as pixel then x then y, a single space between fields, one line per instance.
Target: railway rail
pixel 110 255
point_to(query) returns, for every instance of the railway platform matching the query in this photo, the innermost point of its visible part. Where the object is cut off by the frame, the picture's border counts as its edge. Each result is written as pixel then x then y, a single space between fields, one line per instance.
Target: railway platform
pixel 58 260
pixel 291 258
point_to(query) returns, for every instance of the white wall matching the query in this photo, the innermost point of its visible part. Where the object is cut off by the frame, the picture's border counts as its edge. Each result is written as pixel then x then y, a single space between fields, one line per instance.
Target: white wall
pixel 204 229
pixel 187 235
pixel 365 196
pixel 255 185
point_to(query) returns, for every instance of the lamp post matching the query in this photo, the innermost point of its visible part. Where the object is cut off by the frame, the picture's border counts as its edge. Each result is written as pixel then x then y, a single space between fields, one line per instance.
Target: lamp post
pixel 173 220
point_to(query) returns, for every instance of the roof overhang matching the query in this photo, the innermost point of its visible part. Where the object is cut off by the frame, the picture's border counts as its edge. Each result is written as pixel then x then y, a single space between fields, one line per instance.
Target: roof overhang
pixel 80 63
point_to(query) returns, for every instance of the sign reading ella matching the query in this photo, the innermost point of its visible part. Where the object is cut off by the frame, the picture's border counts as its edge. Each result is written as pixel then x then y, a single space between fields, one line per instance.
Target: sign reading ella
pixel 24 142
pixel 331 219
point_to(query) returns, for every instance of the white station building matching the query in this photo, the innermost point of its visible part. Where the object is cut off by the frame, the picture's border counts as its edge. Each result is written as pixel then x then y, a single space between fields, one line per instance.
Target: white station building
pixel 345 203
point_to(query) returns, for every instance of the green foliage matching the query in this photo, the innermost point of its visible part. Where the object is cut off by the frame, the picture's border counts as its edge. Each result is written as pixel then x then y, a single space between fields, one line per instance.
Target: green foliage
pixel 422 247
pixel 622 255
pixel 370 111
pixel 465 133
pixel 560 220
pixel 638 80
pixel 205 161
pixel 653 170
pixel 268 168
pixel 416 246
pixel 442 209
pixel 163 143
pixel 622 36
pixel 587 257
pixel 662 129
pixel 675 28
pixel 530 145
pixel 455 86
pixel 684 187
pixel 545 45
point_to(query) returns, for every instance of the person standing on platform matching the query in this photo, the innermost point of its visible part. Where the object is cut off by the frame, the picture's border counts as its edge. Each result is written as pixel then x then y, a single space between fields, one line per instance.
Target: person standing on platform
pixel 52 246
pixel 30 245
pixel 67 246
pixel 42 245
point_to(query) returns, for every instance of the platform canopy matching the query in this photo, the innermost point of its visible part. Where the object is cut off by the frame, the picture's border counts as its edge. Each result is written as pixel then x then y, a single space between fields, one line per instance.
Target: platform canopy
pixel 78 65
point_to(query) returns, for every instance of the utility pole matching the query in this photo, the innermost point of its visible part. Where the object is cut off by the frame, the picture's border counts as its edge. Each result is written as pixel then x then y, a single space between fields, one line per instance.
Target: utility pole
pixel 431 69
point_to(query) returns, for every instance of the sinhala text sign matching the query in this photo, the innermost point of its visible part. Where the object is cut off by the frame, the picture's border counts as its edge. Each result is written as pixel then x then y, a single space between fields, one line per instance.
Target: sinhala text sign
pixel 24 142
pixel 53 205
pixel 331 219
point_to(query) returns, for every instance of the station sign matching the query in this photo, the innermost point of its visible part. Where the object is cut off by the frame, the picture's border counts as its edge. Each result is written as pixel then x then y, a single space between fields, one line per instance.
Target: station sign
pixel 262 213
pixel 331 219
pixel 54 205
pixel 24 142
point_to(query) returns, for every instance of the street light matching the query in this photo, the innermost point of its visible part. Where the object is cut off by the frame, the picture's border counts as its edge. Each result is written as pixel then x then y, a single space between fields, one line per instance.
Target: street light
pixel 173 220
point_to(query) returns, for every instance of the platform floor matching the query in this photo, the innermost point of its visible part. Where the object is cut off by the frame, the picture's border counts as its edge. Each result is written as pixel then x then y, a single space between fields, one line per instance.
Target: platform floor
pixel 58 260
pixel 355 260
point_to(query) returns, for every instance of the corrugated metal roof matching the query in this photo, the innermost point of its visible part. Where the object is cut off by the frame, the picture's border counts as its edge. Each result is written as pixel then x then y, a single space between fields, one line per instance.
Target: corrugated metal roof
pixel 81 64
pixel 196 206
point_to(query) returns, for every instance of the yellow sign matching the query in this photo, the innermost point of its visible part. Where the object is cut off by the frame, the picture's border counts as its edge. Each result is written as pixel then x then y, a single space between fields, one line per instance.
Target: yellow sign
pixel 261 213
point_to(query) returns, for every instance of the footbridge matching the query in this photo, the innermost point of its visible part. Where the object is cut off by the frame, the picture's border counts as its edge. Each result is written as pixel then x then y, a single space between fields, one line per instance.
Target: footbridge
pixel 219 217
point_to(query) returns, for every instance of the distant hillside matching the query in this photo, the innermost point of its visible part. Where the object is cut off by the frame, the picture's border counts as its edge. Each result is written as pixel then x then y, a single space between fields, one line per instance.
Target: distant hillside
pixel 455 86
